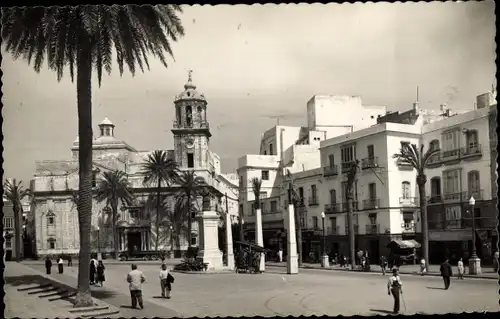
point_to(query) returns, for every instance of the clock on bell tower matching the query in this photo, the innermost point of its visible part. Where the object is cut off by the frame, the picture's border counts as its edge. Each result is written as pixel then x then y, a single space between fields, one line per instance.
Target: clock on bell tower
pixel 191 129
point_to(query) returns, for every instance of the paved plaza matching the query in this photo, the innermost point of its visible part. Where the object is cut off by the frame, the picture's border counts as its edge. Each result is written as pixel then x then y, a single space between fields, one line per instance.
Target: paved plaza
pixel 312 292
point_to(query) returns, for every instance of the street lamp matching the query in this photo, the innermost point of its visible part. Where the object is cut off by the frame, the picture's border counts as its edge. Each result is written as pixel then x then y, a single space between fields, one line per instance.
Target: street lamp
pixel 474 261
pixel 324 258
pixel 171 241
pixel 98 244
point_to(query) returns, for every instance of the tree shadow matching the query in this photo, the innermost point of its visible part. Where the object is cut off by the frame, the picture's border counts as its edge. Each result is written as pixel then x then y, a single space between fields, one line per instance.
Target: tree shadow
pixel 435 288
pixel 29 280
pixel 382 311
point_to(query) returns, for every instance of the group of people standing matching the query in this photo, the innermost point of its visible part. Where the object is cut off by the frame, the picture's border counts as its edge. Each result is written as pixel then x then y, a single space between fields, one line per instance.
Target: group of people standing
pixel 97 272
pixel 60 265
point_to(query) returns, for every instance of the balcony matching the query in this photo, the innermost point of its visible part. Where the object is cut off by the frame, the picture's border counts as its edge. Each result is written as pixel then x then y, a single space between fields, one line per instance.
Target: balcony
pixel 450 155
pixel 331 208
pixel 356 229
pixel 313 201
pixel 372 203
pixel 330 170
pixel 468 152
pixel 434 159
pixel 477 194
pixel 435 199
pixel 346 166
pixel 369 162
pixel 345 206
pixel 402 164
pixel 408 201
pixel 189 125
pixel 333 230
pixel 452 197
pixel 373 229
pixel 408 227
pixel 463 223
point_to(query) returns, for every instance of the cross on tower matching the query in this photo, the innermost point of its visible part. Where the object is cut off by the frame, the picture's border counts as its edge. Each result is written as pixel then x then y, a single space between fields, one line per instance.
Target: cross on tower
pixel 190 72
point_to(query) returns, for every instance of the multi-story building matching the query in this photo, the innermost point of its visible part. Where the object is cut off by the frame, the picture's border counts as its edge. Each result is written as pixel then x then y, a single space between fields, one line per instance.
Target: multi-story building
pixel 11 243
pixel 292 149
pixel 55 215
pixel 464 168
pixel 386 203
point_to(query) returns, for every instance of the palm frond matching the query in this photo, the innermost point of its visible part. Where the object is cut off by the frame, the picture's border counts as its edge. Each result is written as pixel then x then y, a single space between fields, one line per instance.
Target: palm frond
pixel 54 34
pixel 256 186
pixel 158 168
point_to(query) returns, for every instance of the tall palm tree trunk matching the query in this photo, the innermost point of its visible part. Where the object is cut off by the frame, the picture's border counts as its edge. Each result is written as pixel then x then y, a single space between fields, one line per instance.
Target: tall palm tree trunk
pixel 242 238
pixel 17 232
pixel 114 229
pixel 298 225
pixel 352 235
pixel 84 102
pixel 423 217
pixel 158 207
pixel 189 218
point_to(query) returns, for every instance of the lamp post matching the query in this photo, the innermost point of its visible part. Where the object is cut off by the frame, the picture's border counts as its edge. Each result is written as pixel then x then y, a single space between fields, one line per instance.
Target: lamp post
pixel 171 254
pixel 99 256
pixel 474 261
pixel 324 258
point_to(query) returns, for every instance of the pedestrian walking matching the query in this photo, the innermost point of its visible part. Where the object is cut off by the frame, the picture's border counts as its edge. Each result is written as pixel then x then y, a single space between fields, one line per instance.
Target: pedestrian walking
pixel 93 271
pixel 100 273
pixel 422 267
pixel 136 278
pixel 395 287
pixel 165 283
pixel 60 264
pixel 70 261
pixel 48 265
pixel 461 268
pixel 495 261
pixel 383 264
pixel 446 273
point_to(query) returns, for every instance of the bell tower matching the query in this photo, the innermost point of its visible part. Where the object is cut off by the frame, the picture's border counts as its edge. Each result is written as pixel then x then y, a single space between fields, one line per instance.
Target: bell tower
pixel 191 129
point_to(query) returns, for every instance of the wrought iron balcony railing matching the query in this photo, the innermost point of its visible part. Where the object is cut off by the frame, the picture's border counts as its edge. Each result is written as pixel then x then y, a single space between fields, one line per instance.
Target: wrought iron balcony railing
pixel 331 170
pixel 369 162
pixel 408 201
pixel 313 201
pixel 372 203
pixel 372 229
pixel 345 206
pixel 331 208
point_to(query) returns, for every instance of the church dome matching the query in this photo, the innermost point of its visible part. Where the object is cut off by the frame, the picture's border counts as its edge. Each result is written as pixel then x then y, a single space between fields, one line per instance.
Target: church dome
pixel 190 92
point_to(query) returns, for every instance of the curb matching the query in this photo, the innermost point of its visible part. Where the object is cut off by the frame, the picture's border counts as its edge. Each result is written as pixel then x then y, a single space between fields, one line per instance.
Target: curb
pixel 373 272
pixel 111 310
pixel 203 272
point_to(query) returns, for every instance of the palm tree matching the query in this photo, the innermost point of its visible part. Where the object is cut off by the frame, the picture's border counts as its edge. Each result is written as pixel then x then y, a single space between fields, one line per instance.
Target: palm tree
pixel 350 193
pixel 15 193
pixel 82 38
pixel 191 187
pixel 158 170
pixel 114 188
pixel 179 220
pixel 256 186
pixel 418 159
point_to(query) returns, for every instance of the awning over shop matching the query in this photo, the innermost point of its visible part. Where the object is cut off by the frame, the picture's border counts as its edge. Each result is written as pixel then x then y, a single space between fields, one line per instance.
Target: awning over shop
pixel 404 244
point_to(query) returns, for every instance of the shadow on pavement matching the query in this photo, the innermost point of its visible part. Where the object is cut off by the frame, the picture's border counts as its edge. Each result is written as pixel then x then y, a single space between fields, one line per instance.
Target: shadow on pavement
pixel 435 288
pixel 382 311
pixel 26 280
pixel 127 307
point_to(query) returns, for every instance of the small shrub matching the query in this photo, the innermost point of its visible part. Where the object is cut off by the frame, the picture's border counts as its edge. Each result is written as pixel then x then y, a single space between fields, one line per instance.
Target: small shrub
pixel 191 265
pixel 191 253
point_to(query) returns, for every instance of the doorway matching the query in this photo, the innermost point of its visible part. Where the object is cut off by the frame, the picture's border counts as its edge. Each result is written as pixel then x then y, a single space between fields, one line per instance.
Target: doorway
pixel 134 242
pixel 374 251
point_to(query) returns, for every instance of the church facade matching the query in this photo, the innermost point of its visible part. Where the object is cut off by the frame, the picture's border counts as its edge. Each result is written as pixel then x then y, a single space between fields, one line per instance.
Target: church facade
pixel 55 213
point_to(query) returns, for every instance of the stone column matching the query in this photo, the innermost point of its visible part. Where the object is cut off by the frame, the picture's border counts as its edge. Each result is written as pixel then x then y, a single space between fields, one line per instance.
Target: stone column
pixel 292 262
pixel 209 250
pixel 229 243
pixel 259 237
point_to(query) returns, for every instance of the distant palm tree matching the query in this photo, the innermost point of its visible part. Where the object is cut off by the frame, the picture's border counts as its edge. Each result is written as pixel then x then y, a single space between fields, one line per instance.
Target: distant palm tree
pixel 15 193
pixel 114 188
pixel 191 188
pixel 159 170
pixel 256 186
pixel 418 159
pixel 82 38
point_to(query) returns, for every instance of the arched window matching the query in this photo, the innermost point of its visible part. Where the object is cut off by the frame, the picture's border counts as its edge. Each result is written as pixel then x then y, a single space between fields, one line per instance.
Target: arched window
pixel 434 145
pixel 189 115
pixel 405 190
pixel 51 219
pixel 473 183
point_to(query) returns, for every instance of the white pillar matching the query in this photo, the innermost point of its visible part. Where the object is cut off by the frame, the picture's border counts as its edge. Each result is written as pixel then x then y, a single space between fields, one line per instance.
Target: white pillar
pixel 259 237
pixel 292 261
pixel 208 234
pixel 229 243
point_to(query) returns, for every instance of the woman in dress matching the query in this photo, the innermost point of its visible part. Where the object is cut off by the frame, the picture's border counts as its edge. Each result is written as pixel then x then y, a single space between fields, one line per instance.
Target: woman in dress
pixel 92 272
pixel 100 272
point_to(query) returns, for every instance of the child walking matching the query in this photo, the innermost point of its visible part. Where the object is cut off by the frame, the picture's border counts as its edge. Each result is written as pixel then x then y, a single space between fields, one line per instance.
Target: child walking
pixel 165 281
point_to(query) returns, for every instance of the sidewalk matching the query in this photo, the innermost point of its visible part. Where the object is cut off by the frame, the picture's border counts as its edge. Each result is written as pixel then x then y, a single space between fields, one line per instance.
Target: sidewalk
pixel 173 261
pixel 406 270
pixel 22 305
pixel 119 299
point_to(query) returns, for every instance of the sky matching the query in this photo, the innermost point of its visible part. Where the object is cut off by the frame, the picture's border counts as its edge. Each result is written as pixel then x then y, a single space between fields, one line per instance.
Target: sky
pixel 256 62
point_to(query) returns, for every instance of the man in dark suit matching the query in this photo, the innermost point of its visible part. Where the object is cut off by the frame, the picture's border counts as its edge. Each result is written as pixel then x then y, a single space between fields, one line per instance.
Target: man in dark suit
pixel 446 273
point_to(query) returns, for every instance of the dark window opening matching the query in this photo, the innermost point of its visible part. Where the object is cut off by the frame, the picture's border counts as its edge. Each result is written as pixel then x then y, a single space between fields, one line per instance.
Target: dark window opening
pixel 190 158
pixel 265 175
pixel 94 179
